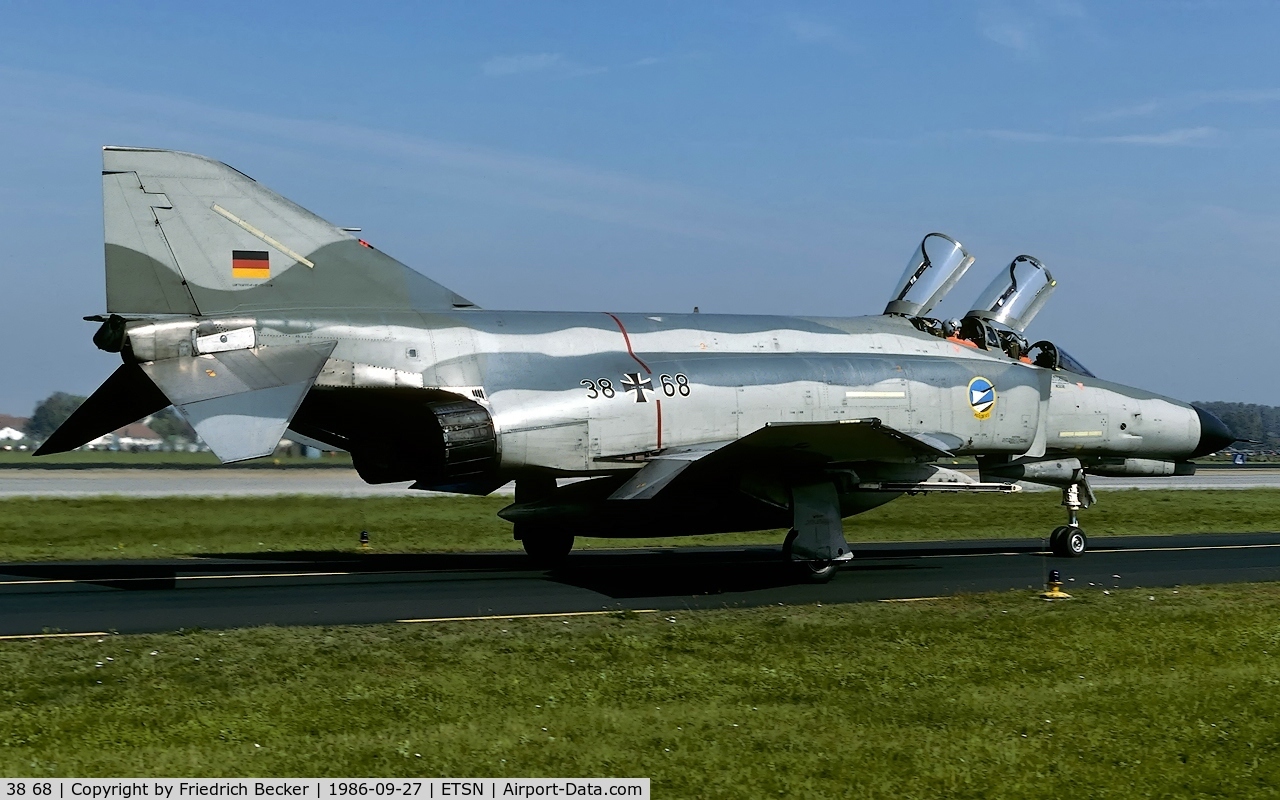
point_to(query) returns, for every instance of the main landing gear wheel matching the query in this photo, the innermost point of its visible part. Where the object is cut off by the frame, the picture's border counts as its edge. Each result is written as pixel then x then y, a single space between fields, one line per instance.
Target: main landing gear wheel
pixel 547 548
pixel 1068 541
pixel 809 571
pixel 819 571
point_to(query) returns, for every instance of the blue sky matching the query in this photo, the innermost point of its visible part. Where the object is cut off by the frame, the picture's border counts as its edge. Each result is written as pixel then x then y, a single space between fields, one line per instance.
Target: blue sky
pixel 741 157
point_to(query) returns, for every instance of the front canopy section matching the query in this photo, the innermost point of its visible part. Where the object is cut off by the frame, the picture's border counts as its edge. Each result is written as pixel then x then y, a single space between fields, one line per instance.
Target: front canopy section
pixel 1016 295
pixel 939 262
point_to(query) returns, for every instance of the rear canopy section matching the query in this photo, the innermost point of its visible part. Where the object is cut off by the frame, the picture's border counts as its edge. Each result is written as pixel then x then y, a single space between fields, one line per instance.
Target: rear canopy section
pixel 189 235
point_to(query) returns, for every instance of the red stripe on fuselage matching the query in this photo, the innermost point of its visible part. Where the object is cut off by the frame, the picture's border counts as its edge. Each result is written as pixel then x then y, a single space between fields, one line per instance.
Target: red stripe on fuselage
pixel 659 402
pixel 627 339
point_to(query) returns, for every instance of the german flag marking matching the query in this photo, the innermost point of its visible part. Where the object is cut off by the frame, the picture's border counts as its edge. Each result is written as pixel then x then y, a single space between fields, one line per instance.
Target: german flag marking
pixel 250 264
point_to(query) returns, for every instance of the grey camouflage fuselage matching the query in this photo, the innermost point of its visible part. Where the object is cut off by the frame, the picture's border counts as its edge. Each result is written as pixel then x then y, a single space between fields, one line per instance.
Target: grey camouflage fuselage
pixel 561 386
pixel 250 314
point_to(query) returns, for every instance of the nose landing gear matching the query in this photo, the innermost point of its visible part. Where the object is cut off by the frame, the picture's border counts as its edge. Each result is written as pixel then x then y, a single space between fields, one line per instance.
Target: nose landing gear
pixel 1069 541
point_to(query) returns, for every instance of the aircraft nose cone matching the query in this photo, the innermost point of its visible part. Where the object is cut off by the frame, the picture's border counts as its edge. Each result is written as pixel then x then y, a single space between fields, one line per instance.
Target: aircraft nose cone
pixel 1214 434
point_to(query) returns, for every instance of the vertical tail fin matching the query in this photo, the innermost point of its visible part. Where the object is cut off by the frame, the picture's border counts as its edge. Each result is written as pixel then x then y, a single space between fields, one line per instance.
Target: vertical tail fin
pixel 189 235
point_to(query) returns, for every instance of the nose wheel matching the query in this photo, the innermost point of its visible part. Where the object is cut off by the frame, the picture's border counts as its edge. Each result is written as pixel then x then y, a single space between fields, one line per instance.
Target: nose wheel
pixel 1068 541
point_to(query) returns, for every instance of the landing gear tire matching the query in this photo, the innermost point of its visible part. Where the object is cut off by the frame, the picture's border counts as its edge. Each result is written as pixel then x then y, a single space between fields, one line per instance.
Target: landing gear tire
pixel 547 548
pixel 786 543
pixel 809 571
pixel 1068 541
pixel 819 571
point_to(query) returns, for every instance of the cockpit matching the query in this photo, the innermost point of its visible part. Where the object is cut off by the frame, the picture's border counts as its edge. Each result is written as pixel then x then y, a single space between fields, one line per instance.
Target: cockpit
pixel 1000 315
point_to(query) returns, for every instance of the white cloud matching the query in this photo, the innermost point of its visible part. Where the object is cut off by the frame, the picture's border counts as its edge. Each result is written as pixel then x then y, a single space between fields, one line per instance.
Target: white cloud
pixel 1024 26
pixel 411 162
pixel 1063 8
pixel 811 31
pixel 1191 101
pixel 525 63
pixel 1011 34
pixel 1171 138
pixel 516 65
pixel 1168 138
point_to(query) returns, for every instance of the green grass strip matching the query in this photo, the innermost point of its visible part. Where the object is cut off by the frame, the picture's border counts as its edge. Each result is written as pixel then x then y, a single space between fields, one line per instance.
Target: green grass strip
pixel 1133 694
pixel 118 527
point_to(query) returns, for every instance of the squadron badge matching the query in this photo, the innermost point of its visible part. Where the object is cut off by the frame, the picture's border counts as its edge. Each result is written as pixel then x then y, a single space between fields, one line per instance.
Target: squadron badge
pixel 982 397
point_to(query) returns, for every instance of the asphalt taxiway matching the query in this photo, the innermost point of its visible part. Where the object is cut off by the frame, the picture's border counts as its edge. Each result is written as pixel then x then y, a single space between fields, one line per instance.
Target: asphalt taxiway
pixel 305 589
pixel 341 482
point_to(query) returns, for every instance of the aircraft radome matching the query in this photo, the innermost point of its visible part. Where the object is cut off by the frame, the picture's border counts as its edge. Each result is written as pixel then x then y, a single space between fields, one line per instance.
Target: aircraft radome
pixel 252 315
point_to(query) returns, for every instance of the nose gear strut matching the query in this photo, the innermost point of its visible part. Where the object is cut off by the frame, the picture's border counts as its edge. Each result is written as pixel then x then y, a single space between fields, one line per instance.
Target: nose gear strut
pixel 1069 541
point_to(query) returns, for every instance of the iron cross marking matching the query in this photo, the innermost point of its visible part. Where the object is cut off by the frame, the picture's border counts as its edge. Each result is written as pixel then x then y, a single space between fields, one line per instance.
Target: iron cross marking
pixel 634 383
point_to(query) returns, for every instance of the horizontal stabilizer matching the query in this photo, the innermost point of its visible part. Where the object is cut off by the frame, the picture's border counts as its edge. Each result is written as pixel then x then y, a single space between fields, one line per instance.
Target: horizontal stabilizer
pixel 240 402
pixel 127 396
pixel 248 425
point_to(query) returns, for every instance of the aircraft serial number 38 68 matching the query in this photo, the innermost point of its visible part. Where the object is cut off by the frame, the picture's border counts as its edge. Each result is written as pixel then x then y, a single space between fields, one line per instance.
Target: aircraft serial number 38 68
pixel 251 316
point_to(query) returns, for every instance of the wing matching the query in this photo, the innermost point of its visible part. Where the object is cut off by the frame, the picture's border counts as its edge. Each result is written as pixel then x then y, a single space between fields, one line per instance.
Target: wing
pixel 786 446
pixel 818 443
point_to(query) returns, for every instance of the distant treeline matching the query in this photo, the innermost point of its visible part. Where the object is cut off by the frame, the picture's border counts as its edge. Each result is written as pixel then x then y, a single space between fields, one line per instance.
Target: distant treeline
pixel 1260 423
pixel 57 407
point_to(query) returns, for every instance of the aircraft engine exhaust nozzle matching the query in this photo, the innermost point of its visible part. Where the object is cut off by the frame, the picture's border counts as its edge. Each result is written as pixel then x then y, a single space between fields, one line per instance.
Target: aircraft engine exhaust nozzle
pixel 1214 434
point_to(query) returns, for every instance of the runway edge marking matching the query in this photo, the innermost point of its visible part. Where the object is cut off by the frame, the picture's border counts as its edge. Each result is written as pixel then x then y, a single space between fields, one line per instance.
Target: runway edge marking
pixel 536 616
pixel 52 635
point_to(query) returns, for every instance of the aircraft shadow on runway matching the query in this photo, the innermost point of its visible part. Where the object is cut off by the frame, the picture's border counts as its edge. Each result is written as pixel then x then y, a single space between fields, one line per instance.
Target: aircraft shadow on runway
pixel 618 574
pixel 681 577
pixel 113 575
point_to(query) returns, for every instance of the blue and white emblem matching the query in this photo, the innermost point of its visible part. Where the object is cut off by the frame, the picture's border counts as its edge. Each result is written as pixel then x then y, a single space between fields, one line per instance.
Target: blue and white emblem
pixel 982 397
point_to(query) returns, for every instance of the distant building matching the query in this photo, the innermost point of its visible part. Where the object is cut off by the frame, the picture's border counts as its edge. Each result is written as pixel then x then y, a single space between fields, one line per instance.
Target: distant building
pixel 13 433
pixel 135 436
pixel 13 428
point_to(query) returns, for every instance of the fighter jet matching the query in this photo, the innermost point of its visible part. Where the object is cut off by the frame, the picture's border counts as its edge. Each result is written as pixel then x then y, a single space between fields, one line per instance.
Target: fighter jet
pixel 252 316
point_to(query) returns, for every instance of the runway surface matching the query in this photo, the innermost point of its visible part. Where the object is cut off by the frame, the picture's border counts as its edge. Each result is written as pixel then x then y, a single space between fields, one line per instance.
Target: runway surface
pixel 218 481
pixel 230 481
pixel 134 597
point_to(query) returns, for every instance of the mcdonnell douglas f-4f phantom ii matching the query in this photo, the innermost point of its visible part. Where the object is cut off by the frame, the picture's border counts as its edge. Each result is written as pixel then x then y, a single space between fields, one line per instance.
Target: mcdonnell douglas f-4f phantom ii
pixel 251 316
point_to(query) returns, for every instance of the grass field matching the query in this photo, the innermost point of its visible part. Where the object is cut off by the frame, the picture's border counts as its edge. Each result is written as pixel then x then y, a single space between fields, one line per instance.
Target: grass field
pixel 113 527
pixel 1162 693
pixel 88 459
